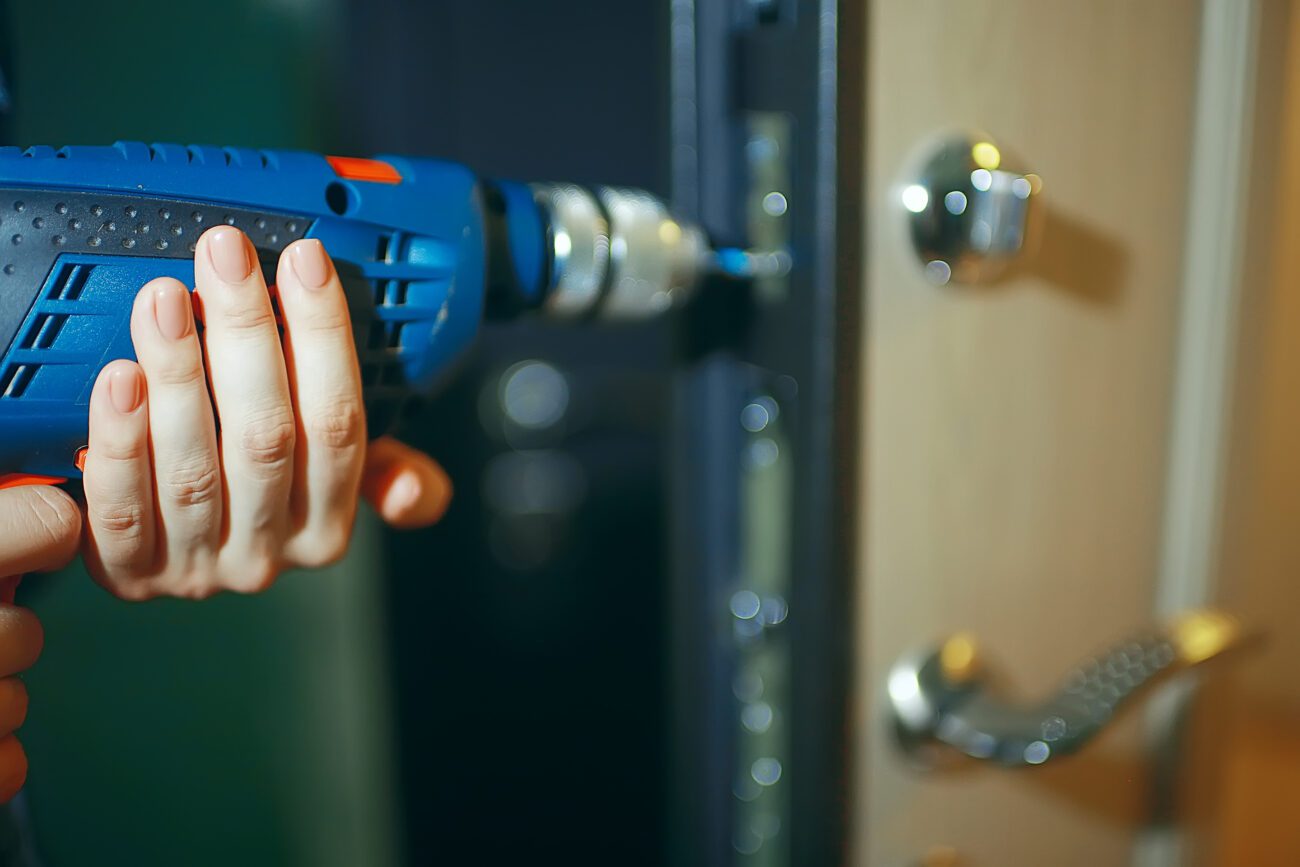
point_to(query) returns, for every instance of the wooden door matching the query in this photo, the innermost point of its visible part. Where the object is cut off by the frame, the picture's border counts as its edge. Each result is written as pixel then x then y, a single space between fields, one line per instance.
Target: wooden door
pixel 1020 438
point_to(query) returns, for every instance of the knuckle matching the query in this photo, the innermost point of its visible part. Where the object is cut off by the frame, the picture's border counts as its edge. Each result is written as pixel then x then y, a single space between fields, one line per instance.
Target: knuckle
pixel 194 582
pixel 255 575
pixel 321 319
pixel 131 591
pixel 192 575
pixel 267 439
pixel 177 373
pixel 341 426
pixel 197 591
pixel 119 449
pixel 124 519
pixel 324 548
pixel 248 319
pixel 192 482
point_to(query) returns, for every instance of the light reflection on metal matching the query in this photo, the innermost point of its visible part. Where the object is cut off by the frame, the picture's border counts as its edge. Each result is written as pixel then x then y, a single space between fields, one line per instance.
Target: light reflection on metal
pixel 745 604
pixel 1037 753
pixel 562 244
pixel 747 842
pixel 1201 635
pixel 756 717
pixel 760 148
pixel 758 608
pixel 986 155
pixel 747 686
pixel 529 492
pixel 958 658
pixel 905 697
pixel 938 272
pixel 768 200
pixel 746 789
pixel 773 611
pixel 916 198
pixel 763 453
pixel 533 395
pixel 767 825
pixel 766 771
pixel 775 204
pixel 754 417
pixel 746 632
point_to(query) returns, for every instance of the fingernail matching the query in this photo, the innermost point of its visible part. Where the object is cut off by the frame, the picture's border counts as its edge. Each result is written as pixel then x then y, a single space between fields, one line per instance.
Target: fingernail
pixel 171 310
pixel 310 263
pixel 125 389
pixel 405 493
pixel 229 254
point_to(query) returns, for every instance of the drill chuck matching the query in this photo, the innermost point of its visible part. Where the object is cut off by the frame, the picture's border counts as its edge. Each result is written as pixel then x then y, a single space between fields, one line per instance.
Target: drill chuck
pixel 617 253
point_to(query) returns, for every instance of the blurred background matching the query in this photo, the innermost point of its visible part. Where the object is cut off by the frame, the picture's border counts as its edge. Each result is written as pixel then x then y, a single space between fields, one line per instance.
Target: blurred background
pixel 1028 393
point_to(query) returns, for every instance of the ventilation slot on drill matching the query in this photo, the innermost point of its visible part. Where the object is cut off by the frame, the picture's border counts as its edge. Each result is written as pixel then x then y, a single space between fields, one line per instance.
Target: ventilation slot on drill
pixel 69 282
pixel 395 296
pixel 44 331
pixel 384 336
pixel 16 379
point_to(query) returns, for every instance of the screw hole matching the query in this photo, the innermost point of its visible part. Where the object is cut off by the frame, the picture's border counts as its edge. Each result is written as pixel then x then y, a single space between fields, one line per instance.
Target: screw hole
pixel 339 198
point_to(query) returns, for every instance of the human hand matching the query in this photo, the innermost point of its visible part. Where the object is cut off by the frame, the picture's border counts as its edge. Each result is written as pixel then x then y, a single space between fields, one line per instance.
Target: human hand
pixel 40 528
pixel 178 505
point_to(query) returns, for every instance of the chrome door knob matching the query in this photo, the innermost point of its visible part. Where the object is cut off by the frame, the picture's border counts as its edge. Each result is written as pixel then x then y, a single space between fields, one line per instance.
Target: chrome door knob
pixel 940 697
pixel 969 209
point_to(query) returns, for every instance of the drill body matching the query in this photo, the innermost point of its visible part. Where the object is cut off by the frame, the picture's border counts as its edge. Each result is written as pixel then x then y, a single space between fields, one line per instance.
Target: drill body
pixel 424 248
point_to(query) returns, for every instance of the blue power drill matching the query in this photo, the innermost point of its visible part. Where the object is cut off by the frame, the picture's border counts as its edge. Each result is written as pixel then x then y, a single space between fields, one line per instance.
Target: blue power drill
pixel 426 249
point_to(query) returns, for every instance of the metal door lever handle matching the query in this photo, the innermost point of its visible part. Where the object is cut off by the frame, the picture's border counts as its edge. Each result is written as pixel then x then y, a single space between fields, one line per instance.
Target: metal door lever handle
pixel 942 696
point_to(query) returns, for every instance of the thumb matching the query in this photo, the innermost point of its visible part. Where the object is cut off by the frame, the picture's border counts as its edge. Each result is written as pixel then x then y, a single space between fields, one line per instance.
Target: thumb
pixel 407 487
pixel 40 528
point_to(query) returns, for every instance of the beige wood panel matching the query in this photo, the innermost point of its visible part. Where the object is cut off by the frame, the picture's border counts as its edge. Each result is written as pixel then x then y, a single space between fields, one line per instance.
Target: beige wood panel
pixel 1016 435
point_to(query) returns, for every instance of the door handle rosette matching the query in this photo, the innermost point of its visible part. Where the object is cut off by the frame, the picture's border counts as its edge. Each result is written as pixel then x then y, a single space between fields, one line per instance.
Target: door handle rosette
pixel 970 210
